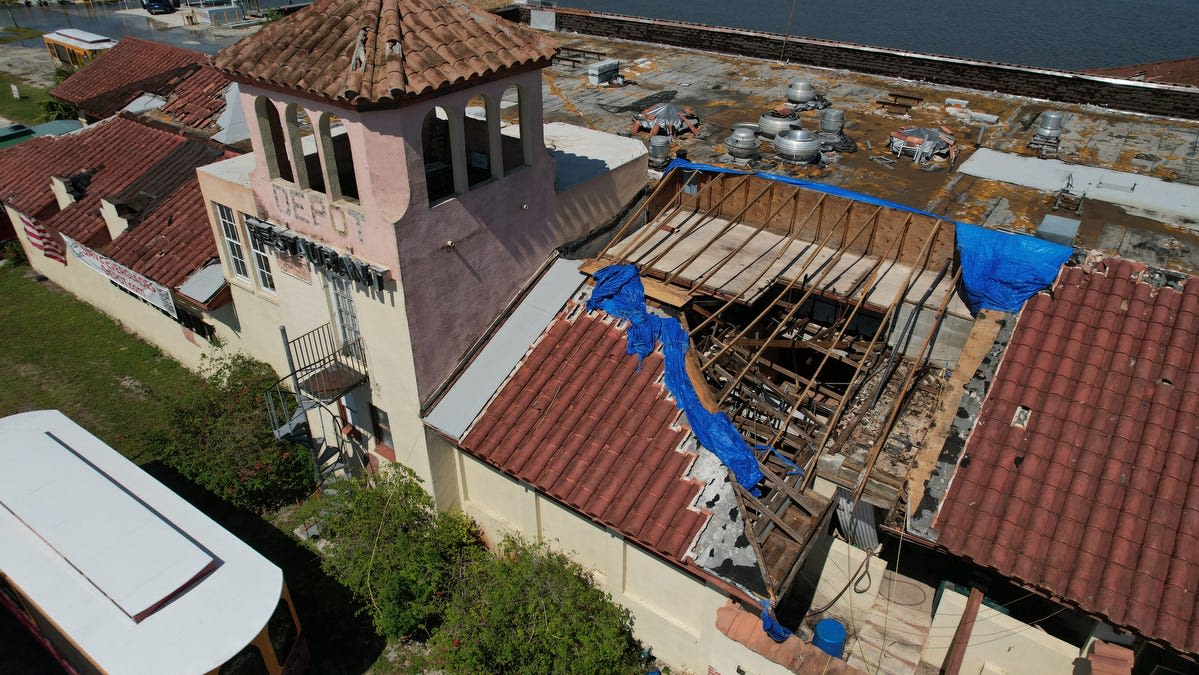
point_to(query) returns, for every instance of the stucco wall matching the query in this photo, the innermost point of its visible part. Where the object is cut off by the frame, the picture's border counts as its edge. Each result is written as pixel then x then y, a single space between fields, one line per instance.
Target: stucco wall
pixel 302 303
pixel 134 315
pixel 598 201
pixel 674 612
pixel 502 232
pixel 998 642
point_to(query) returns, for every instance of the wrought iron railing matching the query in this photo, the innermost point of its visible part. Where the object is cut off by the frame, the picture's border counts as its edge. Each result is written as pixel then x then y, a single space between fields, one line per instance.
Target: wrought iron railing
pixel 325 366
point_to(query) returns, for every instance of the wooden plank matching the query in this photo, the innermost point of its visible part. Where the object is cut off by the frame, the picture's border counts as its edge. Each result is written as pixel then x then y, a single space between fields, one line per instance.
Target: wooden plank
pixel 666 294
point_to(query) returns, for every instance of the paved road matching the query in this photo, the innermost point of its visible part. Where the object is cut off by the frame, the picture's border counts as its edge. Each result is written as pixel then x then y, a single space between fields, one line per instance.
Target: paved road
pixel 105 20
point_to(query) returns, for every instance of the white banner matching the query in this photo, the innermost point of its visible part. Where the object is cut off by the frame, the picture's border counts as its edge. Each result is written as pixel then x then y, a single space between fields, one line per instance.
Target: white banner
pixel 147 290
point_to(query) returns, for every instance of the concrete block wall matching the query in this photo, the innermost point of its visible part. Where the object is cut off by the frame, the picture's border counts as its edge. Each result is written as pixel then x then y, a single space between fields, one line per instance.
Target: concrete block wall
pixel 1067 87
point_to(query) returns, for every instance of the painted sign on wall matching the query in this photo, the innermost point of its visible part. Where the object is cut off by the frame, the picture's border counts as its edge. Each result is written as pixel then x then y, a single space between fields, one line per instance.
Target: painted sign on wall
pixel 287 241
pixel 153 293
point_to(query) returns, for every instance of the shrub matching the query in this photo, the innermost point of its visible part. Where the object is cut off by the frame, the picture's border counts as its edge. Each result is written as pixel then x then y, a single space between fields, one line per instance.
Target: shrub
pixel 393 550
pixel 533 610
pixel 13 252
pixel 218 435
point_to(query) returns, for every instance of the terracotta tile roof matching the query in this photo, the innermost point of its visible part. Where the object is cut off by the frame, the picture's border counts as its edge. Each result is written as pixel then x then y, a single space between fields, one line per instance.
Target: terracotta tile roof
pixel 128 70
pixel 107 156
pixel 1094 499
pixel 198 100
pixel 382 50
pixel 122 160
pixel 578 422
pixel 1109 659
pixel 793 653
pixel 173 242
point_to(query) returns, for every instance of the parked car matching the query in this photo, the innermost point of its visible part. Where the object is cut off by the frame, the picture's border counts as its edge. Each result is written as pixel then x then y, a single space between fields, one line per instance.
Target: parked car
pixel 158 6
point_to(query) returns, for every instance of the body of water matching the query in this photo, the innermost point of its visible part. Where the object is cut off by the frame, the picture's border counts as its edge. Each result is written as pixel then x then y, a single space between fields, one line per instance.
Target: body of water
pixel 1066 34
pixel 104 19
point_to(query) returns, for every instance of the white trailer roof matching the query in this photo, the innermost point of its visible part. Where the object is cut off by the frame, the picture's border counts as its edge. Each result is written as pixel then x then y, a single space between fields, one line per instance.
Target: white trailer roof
pixel 137 577
pixel 81 39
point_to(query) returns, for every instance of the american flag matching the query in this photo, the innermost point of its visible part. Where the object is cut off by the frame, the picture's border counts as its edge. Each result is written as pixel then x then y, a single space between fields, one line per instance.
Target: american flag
pixel 42 240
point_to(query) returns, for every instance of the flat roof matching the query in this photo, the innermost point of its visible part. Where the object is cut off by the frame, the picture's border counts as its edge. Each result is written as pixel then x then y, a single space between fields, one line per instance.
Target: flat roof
pixel 81 38
pixel 138 578
pixel 581 154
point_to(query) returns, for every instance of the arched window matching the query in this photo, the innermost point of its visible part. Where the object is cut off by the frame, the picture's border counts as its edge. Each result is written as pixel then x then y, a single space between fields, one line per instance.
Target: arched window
pixel 437 144
pixel 512 133
pixel 302 144
pixel 478 133
pixel 339 158
pixel 274 143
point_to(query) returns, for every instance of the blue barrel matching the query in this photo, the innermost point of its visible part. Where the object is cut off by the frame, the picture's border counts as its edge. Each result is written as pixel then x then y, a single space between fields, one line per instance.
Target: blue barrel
pixel 830 637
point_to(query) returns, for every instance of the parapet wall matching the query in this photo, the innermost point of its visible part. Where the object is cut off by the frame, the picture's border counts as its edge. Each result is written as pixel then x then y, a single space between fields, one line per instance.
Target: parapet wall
pixel 1055 85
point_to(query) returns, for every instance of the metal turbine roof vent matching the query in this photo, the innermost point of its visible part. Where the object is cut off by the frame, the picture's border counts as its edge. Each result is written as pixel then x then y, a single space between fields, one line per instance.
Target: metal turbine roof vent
pixel 801 95
pixel 1049 133
pixel 742 144
pixel 797 145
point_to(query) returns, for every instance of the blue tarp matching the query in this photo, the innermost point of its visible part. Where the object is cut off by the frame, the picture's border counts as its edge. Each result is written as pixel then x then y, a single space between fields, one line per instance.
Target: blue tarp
pixel 777 631
pixel 618 291
pixel 1000 270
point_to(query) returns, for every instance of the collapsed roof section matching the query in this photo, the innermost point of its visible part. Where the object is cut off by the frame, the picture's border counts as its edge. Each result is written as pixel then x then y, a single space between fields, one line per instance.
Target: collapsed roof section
pixel 132 68
pixel 810 312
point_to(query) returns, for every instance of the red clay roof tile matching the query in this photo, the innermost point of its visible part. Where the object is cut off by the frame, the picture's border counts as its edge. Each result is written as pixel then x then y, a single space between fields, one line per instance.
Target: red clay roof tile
pixel 119 155
pixel 132 68
pixel 198 101
pixel 376 51
pixel 578 422
pixel 1104 508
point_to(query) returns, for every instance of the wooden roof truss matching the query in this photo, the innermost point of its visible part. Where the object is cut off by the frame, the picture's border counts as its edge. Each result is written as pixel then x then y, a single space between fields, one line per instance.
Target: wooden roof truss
pixel 792 298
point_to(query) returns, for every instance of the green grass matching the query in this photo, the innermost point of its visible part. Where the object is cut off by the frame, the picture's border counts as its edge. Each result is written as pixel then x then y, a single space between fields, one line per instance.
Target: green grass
pixel 17 33
pixel 25 109
pixel 57 352
pixel 60 353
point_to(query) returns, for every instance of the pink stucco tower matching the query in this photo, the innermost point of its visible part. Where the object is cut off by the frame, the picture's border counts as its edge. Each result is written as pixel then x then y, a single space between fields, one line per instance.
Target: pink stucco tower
pixel 406 134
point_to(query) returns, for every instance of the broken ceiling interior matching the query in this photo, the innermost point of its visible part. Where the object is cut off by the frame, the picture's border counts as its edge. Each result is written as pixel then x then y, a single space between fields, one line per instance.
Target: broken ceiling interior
pixel 812 316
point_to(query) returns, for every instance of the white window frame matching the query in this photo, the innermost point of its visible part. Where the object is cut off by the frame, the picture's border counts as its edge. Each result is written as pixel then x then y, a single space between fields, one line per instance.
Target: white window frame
pixel 233 245
pixel 262 263
pixel 341 294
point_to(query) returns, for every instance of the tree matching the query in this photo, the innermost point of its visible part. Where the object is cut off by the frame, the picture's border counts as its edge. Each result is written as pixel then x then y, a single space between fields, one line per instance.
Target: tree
pixel 533 610
pixel 219 437
pixel 393 550
pixel 54 109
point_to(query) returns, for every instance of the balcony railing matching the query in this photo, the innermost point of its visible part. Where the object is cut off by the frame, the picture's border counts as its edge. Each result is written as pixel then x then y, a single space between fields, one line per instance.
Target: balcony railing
pixel 325 367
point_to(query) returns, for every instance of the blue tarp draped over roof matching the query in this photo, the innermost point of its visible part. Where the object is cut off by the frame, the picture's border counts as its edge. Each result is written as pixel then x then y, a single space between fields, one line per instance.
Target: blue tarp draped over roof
pixel 1000 270
pixel 618 291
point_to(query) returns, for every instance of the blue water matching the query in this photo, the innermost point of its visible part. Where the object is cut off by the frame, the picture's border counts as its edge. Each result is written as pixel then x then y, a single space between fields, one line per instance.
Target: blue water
pixel 1067 34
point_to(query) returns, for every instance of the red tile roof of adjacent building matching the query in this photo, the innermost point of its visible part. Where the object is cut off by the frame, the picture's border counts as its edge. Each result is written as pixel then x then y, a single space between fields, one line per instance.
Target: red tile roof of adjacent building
pixel 132 68
pixel 198 100
pixel 580 423
pixel 1082 474
pixel 110 154
pixel 120 159
pixel 173 242
pixel 382 50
